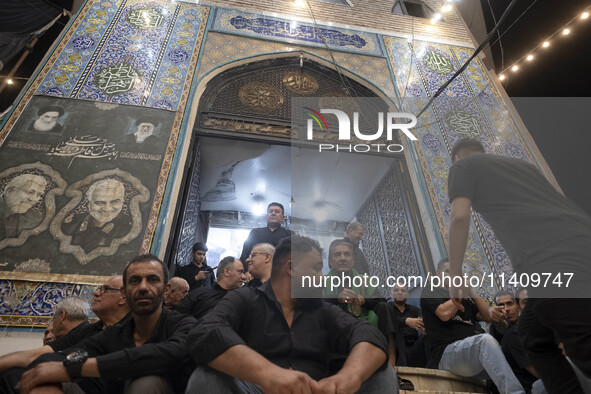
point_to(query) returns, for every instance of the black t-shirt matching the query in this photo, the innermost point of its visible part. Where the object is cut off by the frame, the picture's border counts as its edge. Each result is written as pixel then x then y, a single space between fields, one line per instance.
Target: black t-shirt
pixel 189 271
pixel 76 335
pixel 442 333
pixel 199 301
pixel 517 359
pixel 410 311
pixel 534 222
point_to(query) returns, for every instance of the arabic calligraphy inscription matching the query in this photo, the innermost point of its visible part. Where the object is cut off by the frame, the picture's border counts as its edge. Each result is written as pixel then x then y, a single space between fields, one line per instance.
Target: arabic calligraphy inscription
pixel 437 63
pixel 117 79
pixel 463 123
pixel 301 83
pixel 145 18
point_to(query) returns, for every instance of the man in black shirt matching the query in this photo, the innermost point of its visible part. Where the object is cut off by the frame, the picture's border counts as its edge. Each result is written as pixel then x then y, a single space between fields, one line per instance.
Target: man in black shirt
pixel 544 234
pixel 175 291
pixel 354 235
pixel 200 301
pixel 410 324
pixel 458 343
pixel 197 273
pixel 512 348
pixel 70 313
pixel 263 339
pixel 260 261
pixel 144 353
pixel 271 234
pixel 108 304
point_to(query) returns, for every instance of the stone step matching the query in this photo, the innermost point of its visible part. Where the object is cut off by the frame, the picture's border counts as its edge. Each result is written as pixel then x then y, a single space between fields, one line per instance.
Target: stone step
pixel 436 381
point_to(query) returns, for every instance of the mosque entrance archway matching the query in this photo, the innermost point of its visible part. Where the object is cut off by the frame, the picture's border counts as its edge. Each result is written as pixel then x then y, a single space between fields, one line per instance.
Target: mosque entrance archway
pixel 241 157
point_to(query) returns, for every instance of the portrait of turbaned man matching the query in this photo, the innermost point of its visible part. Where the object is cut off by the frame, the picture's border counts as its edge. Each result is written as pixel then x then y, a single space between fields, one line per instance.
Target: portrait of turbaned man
pixel 48 120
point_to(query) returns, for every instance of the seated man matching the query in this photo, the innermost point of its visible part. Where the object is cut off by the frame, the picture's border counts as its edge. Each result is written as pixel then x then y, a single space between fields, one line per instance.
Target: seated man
pixel 362 302
pixel 200 301
pixel 108 304
pixel 48 335
pixel 176 289
pixel 70 313
pixel 143 354
pixel 259 263
pixel 265 340
pixel 410 324
pixel 458 343
pixel 514 352
pixel 504 314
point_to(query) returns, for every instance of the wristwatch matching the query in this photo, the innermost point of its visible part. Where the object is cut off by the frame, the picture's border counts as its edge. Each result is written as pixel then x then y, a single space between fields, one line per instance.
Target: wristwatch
pixel 73 363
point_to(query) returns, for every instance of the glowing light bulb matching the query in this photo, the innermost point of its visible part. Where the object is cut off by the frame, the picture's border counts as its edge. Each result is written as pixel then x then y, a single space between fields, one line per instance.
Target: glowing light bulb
pixel 530 58
pixel 514 68
pixel 565 32
pixel 501 77
pixel 9 82
pixel 584 15
pixel 546 44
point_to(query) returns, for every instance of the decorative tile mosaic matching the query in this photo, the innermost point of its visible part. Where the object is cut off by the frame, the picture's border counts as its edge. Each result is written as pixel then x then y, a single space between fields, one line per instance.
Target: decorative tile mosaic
pixel 33 303
pixel 470 106
pixel 129 52
pixel 220 49
pixel 289 30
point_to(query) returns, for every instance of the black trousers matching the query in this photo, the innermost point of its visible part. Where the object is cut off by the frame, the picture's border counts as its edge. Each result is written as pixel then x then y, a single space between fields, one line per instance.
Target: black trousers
pixel 543 323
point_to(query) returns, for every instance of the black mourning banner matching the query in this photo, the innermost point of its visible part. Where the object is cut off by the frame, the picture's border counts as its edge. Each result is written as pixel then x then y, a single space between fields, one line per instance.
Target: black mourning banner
pixel 77 179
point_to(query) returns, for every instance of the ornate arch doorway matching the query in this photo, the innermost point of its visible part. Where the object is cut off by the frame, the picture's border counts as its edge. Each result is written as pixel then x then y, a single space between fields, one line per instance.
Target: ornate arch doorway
pixel 241 140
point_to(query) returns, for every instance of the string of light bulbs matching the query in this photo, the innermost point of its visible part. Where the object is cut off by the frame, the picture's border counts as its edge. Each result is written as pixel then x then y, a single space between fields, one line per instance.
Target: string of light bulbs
pixel 529 56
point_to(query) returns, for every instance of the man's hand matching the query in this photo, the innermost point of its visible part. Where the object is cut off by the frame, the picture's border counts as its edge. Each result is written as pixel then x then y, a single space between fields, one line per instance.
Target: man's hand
pixel 498 314
pixel 416 323
pixel 348 296
pixel 459 293
pixel 201 275
pixel 50 372
pixel 339 383
pixel 288 381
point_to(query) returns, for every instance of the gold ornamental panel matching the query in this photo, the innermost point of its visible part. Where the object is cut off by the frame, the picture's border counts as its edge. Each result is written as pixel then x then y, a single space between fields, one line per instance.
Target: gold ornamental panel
pixel 260 96
pixel 300 83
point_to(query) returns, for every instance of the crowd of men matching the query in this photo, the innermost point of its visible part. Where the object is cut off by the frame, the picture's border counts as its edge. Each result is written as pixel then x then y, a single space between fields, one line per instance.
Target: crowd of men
pixel 223 333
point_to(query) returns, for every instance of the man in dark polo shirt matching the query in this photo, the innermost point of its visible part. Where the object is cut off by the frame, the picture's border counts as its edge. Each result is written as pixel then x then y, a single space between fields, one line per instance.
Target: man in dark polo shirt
pixel 197 273
pixel 410 324
pixel 265 340
pixel 260 262
pixel 458 343
pixel 145 353
pixel 548 239
pixel 108 304
pixel 200 301
pixel 271 234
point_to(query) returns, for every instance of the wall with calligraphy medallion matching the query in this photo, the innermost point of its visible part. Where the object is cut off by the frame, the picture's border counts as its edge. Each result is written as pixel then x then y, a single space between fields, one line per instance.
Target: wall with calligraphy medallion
pixel 128 70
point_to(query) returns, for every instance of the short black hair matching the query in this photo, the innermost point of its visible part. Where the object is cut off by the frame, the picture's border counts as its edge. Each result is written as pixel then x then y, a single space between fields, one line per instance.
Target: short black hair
pixel 290 245
pixel 276 204
pixel 146 258
pixel 440 263
pixel 470 144
pixel 199 246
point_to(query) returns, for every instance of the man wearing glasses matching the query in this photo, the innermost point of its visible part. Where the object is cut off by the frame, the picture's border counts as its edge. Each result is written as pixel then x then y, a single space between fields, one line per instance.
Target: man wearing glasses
pixel 271 234
pixel 260 262
pixel 108 304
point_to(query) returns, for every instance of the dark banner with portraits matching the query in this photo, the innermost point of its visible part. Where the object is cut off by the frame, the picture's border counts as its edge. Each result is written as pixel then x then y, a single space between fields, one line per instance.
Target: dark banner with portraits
pixel 77 179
